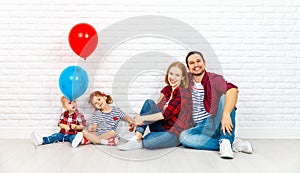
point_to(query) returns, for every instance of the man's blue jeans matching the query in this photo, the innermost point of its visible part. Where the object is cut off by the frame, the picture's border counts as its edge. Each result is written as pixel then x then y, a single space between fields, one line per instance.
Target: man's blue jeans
pixel 58 137
pixel 207 134
pixel 157 138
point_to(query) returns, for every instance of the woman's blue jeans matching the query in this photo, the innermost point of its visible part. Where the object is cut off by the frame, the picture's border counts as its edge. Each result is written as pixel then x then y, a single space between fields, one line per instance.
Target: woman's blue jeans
pixel 207 134
pixel 157 138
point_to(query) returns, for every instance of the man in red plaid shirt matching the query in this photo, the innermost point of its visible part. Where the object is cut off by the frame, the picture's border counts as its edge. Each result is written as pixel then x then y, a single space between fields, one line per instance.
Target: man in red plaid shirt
pixel 214 101
pixel 71 122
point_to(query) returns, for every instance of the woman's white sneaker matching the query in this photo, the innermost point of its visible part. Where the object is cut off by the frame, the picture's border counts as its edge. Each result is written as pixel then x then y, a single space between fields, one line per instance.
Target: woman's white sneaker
pixel 132 144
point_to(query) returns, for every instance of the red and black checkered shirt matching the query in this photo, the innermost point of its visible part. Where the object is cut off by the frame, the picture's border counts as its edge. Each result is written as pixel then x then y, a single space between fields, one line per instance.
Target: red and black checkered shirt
pixel 75 118
pixel 214 87
pixel 178 113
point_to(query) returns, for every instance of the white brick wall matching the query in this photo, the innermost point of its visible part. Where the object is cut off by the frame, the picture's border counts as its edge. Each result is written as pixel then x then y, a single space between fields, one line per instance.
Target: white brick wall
pixel 256 43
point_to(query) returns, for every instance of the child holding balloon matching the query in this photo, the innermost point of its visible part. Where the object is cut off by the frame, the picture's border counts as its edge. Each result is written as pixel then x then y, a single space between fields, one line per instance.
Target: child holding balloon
pixel 105 120
pixel 71 123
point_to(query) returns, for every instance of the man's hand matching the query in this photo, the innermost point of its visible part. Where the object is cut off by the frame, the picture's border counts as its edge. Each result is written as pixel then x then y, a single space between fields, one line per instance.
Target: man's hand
pixel 226 124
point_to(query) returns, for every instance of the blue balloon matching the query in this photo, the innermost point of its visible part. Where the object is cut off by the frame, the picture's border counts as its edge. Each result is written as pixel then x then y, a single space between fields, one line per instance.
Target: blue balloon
pixel 73 82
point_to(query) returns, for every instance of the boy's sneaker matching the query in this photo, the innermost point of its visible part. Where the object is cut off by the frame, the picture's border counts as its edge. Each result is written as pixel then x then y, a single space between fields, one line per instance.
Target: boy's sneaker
pixel 78 138
pixel 36 139
pixel 240 145
pixel 112 141
pixel 132 144
pixel 225 149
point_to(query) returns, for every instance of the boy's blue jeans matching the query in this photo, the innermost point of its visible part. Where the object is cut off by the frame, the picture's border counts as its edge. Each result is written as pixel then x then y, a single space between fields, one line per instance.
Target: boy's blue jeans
pixel 207 134
pixel 58 137
pixel 157 138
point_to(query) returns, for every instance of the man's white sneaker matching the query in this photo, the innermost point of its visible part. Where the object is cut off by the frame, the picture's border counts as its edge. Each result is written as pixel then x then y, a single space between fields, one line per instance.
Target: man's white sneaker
pixel 78 138
pixel 132 144
pixel 225 149
pixel 240 145
pixel 36 139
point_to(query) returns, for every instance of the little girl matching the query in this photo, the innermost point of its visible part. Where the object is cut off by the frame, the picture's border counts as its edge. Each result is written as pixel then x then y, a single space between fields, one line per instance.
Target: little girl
pixel 105 120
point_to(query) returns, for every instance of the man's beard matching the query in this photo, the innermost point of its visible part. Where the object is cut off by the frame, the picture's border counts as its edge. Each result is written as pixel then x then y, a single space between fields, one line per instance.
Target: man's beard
pixel 198 74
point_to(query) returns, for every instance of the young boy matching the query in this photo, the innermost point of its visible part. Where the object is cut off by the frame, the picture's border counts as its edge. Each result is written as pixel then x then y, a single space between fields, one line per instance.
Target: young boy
pixel 71 123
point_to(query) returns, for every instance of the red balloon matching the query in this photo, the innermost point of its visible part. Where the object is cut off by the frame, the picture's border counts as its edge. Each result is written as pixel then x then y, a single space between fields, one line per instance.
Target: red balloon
pixel 83 39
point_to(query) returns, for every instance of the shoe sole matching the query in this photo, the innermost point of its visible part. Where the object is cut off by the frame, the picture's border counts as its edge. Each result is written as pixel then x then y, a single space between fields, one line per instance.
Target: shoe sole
pixel 120 147
pixel 248 152
pixel 227 156
pixel 243 151
pixel 35 142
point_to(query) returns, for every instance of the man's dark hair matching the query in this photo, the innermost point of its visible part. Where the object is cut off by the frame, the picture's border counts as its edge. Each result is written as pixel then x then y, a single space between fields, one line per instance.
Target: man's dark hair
pixel 192 53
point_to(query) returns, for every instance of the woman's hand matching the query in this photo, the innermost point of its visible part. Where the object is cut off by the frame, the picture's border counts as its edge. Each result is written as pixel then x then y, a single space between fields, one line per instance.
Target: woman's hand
pixel 131 127
pixel 139 136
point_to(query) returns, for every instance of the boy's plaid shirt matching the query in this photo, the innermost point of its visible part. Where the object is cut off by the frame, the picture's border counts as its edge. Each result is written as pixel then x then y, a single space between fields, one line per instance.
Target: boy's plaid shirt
pixel 75 118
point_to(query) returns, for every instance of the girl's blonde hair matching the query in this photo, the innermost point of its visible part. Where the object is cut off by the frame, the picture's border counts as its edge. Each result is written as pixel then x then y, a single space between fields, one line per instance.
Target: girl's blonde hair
pixel 185 82
pixel 109 99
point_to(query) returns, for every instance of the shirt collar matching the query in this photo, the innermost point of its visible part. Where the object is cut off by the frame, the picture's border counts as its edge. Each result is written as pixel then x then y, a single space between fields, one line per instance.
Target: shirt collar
pixel 75 113
pixel 203 81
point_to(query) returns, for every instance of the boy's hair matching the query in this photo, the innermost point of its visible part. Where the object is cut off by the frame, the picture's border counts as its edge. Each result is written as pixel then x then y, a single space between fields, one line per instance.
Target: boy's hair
pixel 181 66
pixel 109 99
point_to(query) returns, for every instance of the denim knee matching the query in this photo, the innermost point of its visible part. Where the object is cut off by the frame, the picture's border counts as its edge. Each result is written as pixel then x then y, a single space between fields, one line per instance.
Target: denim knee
pixel 183 136
pixel 150 101
pixel 147 145
pixel 151 142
